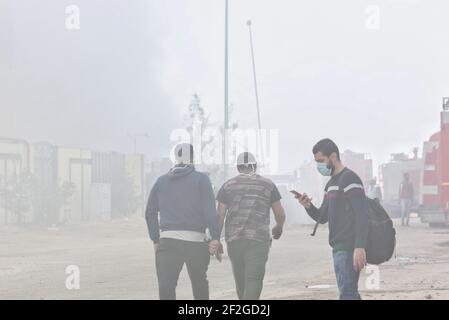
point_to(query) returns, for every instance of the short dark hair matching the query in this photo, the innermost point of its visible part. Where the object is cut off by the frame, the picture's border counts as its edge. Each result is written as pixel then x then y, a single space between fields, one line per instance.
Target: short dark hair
pixel 326 147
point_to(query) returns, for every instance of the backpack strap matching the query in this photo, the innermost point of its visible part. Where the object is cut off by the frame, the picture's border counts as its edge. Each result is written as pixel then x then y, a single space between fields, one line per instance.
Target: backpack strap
pixel 341 193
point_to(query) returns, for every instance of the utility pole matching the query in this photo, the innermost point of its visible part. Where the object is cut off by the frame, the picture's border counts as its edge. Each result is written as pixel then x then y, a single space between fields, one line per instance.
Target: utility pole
pixel 249 23
pixel 226 95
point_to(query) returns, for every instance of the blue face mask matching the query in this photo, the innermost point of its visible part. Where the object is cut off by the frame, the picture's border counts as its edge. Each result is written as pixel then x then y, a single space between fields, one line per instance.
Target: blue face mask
pixel 324 169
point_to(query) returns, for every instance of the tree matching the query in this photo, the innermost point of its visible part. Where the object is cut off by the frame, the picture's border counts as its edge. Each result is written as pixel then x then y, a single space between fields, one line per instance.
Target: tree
pixel 125 198
pixel 197 116
pixel 50 199
pixel 65 194
pixel 17 196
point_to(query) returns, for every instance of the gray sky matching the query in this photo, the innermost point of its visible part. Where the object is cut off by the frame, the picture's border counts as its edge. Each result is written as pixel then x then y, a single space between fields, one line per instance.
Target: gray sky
pixel 133 66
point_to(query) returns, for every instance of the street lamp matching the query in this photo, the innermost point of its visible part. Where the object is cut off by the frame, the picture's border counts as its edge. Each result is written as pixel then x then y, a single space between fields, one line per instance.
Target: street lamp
pixel 249 23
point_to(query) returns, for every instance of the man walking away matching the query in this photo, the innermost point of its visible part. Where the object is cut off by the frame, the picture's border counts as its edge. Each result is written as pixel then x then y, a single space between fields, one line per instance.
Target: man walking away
pixel 373 190
pixel 406 195
pixel 245 202
pixel 185 202
pixel 345 208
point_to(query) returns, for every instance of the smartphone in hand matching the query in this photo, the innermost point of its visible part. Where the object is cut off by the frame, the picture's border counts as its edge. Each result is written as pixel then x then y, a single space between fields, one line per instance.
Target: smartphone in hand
pixel 295 193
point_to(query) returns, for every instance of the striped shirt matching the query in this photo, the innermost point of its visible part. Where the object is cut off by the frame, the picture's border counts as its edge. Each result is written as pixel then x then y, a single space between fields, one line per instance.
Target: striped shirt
pixel 345 208
pixel 248 199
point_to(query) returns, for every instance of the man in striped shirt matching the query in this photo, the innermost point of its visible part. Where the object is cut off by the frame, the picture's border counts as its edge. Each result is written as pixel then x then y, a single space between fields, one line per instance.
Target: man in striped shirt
pixel 345 209
pixel 244 205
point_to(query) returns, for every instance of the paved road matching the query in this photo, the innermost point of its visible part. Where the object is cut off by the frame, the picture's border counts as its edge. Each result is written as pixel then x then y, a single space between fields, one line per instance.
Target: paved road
pixel 116 261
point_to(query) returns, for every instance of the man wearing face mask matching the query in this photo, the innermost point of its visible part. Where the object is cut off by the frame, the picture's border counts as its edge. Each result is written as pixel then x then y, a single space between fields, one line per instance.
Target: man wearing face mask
pixel 345 208
pixel 244 204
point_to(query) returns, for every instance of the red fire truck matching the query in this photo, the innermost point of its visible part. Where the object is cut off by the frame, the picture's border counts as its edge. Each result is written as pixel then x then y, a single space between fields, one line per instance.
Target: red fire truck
pixel 434 207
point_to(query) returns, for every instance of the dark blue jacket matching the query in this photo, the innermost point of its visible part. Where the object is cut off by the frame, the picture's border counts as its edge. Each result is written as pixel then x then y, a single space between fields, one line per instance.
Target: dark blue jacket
pixel 345 208
pixel 185 200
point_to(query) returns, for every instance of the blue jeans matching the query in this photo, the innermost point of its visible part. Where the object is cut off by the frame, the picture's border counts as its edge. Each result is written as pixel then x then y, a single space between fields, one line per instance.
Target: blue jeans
pixel 347 277
pixel 405 210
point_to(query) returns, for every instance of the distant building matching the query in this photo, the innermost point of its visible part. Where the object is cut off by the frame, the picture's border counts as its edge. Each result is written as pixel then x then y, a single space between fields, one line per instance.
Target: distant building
pixel 391 174
pixel 67 184
pixel 360 163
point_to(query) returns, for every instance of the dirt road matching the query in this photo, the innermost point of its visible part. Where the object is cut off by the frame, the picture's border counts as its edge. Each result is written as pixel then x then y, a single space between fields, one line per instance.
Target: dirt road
pixel 116 261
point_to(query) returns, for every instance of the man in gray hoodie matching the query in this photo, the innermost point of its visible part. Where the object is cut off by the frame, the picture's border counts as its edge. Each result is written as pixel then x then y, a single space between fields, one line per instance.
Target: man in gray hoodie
pixel 180 208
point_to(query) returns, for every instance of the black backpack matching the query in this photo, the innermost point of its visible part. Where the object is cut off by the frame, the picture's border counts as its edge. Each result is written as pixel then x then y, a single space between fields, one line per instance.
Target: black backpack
pixel 381 235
